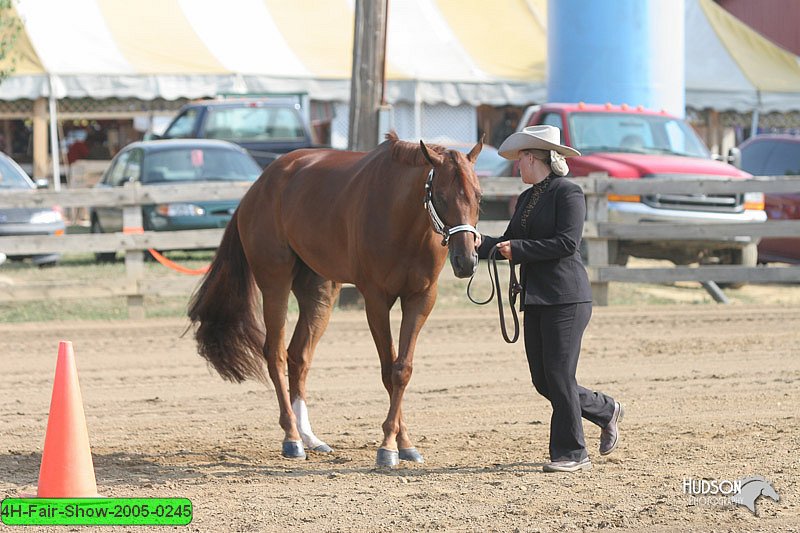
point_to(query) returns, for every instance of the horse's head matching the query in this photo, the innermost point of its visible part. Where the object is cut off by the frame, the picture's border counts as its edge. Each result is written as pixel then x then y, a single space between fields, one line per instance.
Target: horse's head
pixel 752 488
pixel 453 196
pixel 770 492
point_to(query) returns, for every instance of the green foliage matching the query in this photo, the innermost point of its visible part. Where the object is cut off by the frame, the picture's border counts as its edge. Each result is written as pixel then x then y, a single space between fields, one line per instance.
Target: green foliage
pixel 10 28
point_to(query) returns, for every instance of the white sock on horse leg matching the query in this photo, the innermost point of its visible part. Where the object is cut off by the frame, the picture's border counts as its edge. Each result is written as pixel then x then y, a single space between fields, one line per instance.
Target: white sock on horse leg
pixel 304 424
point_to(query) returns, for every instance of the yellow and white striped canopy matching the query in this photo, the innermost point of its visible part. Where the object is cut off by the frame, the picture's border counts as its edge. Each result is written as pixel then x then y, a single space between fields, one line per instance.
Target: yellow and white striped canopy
pixel 731 66
pixel 451 51
pixel 438 51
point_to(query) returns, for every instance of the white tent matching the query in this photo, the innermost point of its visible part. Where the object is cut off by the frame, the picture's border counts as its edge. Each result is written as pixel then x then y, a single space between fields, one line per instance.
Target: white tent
pixel 438 51
pixel 729 66
pixel 444 57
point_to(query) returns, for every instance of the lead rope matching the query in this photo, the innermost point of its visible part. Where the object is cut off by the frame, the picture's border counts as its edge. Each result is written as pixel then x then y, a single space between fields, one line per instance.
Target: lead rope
pixel 514 288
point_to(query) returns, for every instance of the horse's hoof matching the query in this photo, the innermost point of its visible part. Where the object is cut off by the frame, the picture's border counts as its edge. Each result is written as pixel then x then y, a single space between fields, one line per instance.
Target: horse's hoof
pixel 322 448
pixel 293 449
pixel 387 458
pixel 411 454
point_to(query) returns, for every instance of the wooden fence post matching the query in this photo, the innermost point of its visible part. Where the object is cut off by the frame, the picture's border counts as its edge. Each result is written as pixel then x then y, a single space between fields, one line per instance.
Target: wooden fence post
pixel 597 248
pixel 132 223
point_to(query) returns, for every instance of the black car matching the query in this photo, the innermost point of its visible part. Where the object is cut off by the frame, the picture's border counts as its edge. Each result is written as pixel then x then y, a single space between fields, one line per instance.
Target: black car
pixel 172 162
pixel 26 220
pixel 267 128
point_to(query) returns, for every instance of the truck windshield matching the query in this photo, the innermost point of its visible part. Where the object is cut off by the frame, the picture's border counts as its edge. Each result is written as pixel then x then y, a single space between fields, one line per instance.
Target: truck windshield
pixel 634 133
pixel 242 124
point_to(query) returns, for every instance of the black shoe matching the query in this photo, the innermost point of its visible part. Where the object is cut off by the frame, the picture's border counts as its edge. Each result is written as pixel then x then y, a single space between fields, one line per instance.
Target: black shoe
pixel 609 436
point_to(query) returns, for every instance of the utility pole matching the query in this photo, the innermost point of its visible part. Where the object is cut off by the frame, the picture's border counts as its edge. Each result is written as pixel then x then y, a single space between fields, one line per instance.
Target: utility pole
pixel 367 79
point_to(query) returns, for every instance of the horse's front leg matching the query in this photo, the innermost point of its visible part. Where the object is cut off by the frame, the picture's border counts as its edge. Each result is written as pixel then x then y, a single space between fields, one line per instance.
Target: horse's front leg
pixel 407 451
pixel 416 308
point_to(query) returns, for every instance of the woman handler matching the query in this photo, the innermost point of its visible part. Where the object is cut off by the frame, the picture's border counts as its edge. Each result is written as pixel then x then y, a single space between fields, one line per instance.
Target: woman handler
pixel 544 237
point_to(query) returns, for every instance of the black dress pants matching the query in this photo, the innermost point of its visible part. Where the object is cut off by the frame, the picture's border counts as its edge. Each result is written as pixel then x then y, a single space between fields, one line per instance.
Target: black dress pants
pixel 553 335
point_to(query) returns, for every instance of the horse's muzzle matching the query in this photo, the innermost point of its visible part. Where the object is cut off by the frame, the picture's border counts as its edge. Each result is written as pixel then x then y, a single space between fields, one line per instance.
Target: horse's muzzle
pixel 464 265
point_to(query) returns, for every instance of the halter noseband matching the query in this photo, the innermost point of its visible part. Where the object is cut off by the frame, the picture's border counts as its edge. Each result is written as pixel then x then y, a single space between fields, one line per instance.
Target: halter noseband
pixel 438 226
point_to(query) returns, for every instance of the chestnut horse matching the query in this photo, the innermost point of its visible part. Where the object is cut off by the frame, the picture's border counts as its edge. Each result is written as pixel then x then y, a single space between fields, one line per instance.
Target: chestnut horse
pixel 318 218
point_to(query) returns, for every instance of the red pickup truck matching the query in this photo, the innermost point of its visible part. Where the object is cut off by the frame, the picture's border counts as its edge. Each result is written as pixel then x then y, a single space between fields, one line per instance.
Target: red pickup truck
pixel 634 143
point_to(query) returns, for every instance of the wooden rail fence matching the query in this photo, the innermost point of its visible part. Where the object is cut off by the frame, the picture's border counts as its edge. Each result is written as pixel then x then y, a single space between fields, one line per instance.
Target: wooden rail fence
pixel 598 233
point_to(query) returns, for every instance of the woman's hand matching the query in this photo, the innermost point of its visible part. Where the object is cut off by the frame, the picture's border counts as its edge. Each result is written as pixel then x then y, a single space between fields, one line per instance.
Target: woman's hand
pixel 505 249
pixel 478 240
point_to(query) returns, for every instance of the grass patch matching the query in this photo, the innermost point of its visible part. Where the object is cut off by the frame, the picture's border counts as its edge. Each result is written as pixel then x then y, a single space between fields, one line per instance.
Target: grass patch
pixel 83 267
pixel 47 310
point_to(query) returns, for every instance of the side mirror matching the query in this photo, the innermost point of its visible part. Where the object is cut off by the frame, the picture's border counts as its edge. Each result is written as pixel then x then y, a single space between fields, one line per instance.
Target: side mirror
pixel 735 157
pixel 42 183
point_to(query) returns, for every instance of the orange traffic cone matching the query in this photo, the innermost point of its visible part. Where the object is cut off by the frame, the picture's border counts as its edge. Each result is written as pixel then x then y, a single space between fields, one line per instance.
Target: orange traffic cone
pixel 67 470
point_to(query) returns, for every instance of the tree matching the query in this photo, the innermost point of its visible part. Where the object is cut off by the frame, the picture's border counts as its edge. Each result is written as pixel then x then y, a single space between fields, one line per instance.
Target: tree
pixel 10 28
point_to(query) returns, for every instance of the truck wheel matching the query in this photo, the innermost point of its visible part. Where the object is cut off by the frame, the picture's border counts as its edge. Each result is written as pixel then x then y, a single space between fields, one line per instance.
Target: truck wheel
pixel 747 256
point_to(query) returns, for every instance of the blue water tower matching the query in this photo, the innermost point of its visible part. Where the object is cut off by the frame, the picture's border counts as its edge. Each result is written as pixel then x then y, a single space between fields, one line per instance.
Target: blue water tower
pixel 617 51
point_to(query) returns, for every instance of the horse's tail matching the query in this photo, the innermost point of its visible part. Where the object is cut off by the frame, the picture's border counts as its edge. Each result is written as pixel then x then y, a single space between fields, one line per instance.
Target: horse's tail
pixel 224 312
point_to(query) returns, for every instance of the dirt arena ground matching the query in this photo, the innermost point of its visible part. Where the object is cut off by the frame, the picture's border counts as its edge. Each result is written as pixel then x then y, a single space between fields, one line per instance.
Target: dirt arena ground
pixel 710 392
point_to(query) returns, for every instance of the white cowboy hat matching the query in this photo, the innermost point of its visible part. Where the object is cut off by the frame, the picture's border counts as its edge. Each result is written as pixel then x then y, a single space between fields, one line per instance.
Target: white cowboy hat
pixel 535 138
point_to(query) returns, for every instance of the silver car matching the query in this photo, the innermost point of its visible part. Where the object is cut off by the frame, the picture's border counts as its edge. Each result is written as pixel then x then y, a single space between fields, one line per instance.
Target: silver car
pixel 26 220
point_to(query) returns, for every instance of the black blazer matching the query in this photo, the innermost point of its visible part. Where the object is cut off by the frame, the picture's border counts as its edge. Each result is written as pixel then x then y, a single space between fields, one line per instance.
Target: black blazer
pixel 551 270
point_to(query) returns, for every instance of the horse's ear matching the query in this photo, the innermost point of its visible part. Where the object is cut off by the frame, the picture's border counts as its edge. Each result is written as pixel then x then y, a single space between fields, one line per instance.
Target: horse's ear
pixel 434 159
pixel 476 150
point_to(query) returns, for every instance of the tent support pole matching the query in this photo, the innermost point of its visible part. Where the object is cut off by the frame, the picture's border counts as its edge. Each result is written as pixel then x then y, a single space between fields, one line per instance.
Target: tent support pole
pixel 754 124
pixel 55 149
pixel 39 138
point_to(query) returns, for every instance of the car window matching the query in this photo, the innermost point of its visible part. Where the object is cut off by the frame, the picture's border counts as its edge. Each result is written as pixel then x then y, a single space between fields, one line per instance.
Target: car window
pixel 554 119
pixel 117 172
pixel 784 160
pixel 12 178
pixel 133 170
pixel 754 157
pixel 199 164
pixel 183 126
pixel 254 124
pixel 676 139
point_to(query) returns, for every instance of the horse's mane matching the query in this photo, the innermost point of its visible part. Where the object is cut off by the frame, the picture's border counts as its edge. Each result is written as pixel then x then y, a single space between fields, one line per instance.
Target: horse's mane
pixel 410 153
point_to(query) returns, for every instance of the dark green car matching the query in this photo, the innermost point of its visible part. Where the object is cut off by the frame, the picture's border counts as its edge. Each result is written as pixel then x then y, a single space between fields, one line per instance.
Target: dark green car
pixel 173 162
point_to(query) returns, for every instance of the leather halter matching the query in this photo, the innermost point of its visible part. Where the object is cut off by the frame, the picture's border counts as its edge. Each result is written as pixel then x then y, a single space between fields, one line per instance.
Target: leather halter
pixel 438 226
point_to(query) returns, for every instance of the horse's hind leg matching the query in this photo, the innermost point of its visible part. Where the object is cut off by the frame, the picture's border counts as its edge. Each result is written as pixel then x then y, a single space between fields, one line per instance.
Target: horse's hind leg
pixel 275 281
pixel 315 297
